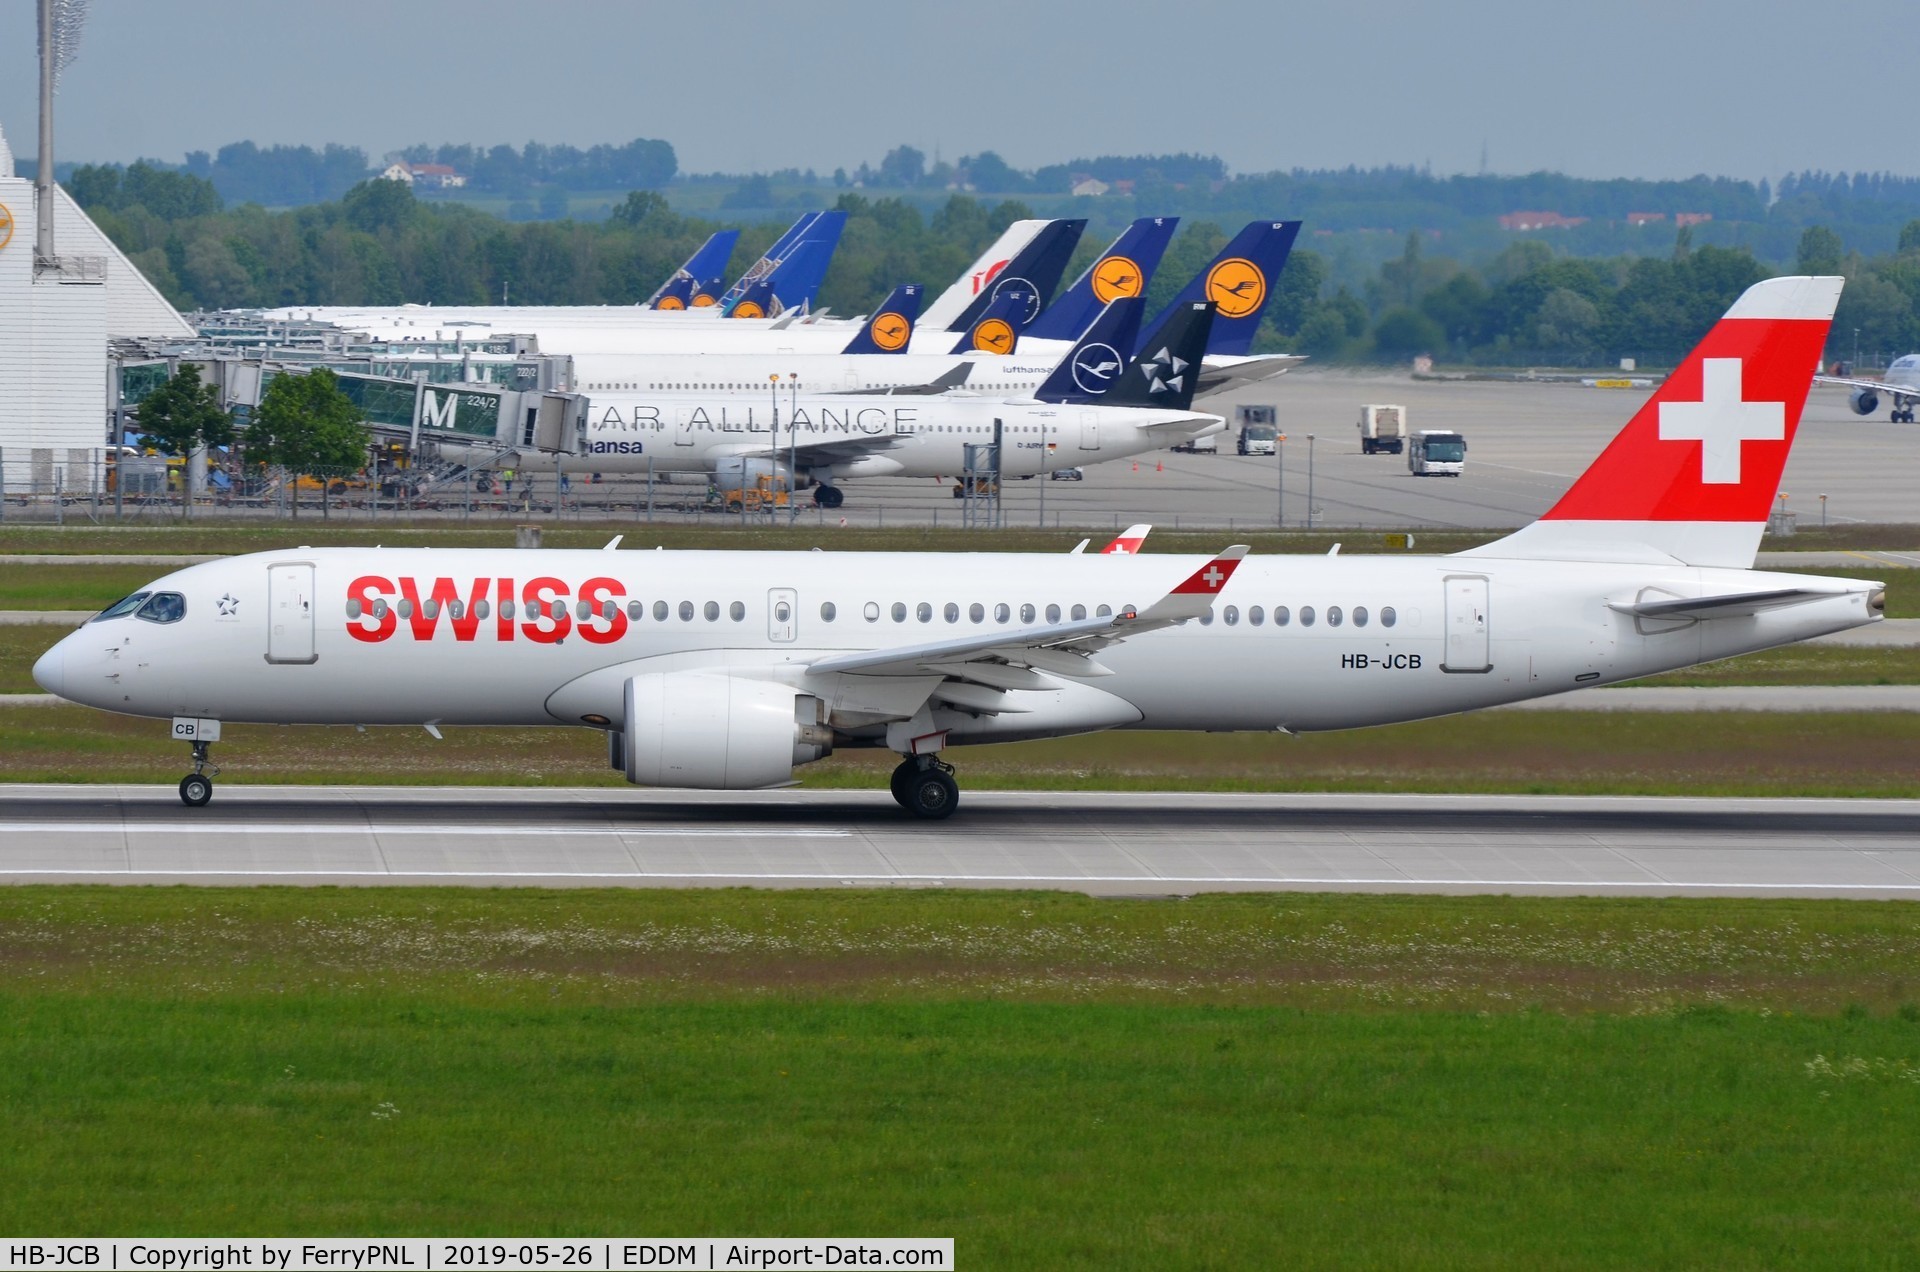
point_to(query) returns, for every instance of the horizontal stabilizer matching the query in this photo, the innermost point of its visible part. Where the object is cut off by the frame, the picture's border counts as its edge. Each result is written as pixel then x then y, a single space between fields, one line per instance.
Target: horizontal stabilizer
pixel 1732 605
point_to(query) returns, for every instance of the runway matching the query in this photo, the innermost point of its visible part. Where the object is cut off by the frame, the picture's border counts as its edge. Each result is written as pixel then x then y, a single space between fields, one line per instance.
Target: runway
pixel 1142 844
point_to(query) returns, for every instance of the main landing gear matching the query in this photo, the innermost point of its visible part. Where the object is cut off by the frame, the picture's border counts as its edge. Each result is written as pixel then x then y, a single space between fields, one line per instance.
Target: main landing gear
pixel 196 788
pixel 1901 416
pixel 829 496
pixel 924 786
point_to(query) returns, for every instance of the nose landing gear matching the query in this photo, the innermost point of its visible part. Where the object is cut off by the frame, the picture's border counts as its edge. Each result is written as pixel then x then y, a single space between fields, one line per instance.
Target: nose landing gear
pixel 924 786
pixel 196 788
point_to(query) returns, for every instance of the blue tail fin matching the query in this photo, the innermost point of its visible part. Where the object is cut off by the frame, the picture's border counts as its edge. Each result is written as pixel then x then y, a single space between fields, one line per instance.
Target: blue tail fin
pixel 797 272
pixel 1238 282
pixel 699 276
pixel 1124 269
pixel 891 326
pixel 1036 268
pixel 768 259
pixel 999 328
pixel 1095 365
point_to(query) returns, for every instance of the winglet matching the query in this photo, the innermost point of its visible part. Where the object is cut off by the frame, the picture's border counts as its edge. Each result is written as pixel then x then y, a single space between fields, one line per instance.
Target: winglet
pixel 1195 596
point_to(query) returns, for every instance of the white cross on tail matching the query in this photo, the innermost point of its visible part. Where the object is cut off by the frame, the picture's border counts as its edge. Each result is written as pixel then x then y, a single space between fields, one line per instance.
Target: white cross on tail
pixel 1721 421
pixel 1213 577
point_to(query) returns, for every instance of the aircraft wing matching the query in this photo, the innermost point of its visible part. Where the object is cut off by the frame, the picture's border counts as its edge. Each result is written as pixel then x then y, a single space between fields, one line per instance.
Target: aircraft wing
pixel 1896 391
pixel 1010 659
pixel 1730 605
pixel 1220 371
pixel 833 449
pixel 945 382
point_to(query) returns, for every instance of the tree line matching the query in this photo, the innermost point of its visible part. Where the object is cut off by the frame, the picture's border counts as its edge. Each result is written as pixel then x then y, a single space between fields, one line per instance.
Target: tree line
pixel 1526 302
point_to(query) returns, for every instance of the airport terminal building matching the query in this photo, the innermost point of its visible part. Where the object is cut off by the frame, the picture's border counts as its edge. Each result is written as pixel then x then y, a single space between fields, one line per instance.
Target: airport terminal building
pixel 57 319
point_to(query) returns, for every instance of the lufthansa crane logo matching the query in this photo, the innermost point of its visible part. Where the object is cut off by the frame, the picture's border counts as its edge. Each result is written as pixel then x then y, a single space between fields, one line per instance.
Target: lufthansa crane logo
pixel 1115 277
pixel 6 225
pixel 671 302
pixel 1236 287
pixel 995 335
pixel 890 331
pixel 703 301
pixel 748 309
pixel 1095 367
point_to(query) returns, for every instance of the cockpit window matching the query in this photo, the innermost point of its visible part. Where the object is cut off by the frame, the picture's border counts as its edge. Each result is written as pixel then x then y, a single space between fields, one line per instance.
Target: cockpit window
pixel 123 607
pixel 164 607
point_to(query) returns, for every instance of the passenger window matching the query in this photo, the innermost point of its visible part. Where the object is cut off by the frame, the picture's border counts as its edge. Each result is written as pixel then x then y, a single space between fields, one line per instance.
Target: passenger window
pixel 1079 612
pixel 1359 616
pixel 1001 613
pixel 782 612
pixel 899 611
pixel 380 609
pixel 737 611
pixel 581 611
pixel 1053 613
pixel 1255 615
pixel 405 607
pixel 1206 619
pixel 1231 614
pixel 458 609
pixel 481 609
pixel 431 609
pixel 609 610
pixel 712 611
pixel 872 611
pixel 924 612
pixel 1306 616
pixel 636 610
pixel 686 611
pixel 1026 613
pixel 1387 617
pixel 659 611
pixel 977 612
pixel 1103 611
pixel 1334 618
pixel 951 612
pixel 353 608
pixel 164 607
pixel 827 611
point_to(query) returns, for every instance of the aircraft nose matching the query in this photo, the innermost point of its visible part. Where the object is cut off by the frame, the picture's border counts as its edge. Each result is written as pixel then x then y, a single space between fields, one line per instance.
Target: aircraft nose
pixel 50 672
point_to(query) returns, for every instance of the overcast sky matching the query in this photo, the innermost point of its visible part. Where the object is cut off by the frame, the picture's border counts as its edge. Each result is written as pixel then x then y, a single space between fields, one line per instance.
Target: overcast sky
pixel 1636 89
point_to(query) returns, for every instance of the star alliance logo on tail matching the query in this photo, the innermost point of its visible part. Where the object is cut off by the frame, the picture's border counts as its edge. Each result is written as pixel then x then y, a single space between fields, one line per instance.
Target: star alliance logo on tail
pixel 1165 372
pixel 1095 367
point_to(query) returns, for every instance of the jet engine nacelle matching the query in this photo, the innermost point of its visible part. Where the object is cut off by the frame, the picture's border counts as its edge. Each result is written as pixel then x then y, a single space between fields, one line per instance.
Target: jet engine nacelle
pixel 1863 401
pixel 719 733
pixel 736 472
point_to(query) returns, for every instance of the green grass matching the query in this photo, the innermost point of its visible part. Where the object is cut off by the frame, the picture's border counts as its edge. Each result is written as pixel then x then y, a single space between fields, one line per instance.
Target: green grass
pixel 1052 1080
pixel 70 587
pixel 1714 753
pixel 20 647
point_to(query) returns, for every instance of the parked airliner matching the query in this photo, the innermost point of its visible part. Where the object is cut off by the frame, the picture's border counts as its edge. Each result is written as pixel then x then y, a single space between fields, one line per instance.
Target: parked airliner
pixel 730 670
pixel 1900 386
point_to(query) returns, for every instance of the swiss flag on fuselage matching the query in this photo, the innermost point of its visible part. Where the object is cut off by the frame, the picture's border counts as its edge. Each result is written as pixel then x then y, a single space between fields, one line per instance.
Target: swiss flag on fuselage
pixel 1710 445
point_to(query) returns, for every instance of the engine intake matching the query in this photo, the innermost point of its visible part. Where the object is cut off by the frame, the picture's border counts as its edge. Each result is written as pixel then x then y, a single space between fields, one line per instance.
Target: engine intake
pixel 716 732
pixel 1863 401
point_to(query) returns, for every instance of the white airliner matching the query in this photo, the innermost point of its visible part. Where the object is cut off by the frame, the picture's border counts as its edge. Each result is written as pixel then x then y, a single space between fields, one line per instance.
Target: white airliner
pixel 1900 386
pixel 1095 405
pixel 728 670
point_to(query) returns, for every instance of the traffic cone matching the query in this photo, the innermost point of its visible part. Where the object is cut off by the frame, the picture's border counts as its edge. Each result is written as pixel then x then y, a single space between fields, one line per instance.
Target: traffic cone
pixel 1136 465
pixel 1159 467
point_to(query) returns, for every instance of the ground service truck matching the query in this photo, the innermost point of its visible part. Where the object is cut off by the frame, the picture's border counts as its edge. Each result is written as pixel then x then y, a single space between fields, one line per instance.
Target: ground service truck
pixel 1382 428
pixel 1259 429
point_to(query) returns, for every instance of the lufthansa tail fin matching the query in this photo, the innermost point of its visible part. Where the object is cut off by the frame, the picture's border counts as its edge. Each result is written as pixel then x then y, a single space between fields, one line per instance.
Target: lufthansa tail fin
pixel 1124 269
pixel 769 296
pixel 695 284
pixel 768 259
pixel 998 329
pixel 1035 268
pixel 1094 367
pixel 891 326
pixel 1693 475
pixel 946 307
pixel 1238 282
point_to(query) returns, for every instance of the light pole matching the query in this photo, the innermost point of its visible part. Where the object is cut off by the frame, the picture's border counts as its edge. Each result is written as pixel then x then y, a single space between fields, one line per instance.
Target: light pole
pixel 1856 351
pixel 1280 482
pixel 793 442
pixel 1309 481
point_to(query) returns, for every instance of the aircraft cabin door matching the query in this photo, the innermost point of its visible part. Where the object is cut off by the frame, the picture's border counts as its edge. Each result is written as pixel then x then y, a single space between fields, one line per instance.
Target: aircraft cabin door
pixel 683 426
pixel 783 606
pixel 290 613
pixel 1089 431
pixel 1469 648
